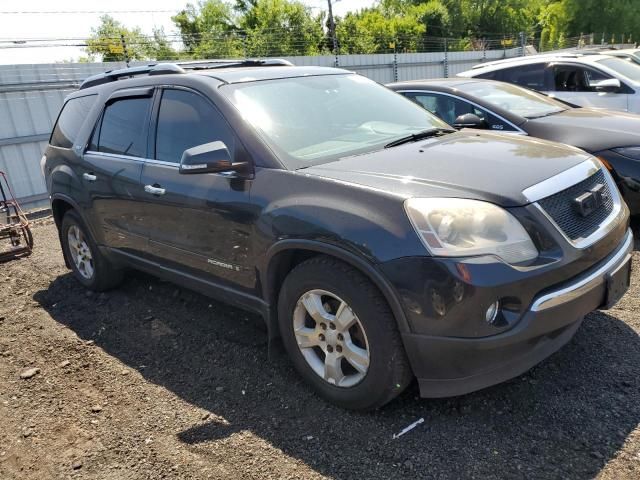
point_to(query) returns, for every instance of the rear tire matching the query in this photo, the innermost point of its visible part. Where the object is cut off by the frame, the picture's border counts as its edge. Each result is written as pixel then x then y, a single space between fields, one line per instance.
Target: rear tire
pixel 90 267
pixel 341 335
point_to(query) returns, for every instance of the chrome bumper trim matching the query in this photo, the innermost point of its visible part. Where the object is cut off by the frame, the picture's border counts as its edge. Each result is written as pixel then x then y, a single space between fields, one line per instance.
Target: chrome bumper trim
pixel 587 283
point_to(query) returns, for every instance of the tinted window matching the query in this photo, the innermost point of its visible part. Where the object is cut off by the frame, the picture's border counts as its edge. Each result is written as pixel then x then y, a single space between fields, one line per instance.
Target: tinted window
pixel 530 76
pixel 449 108
pixel 186 120
pixel 70 121
pixel 493 75
pixel 124 127
pixel 575 78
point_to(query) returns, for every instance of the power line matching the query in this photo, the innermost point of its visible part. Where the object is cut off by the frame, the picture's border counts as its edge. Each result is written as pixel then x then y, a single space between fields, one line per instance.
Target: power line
pixel 88 12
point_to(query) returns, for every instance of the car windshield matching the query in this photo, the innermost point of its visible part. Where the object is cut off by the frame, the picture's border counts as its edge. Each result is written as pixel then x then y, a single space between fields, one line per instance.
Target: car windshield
pixel 317 119
pixel 624 66
pixel 516 100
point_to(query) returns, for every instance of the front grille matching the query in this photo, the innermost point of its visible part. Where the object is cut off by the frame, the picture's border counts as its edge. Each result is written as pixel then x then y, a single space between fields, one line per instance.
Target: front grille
pixel 561 209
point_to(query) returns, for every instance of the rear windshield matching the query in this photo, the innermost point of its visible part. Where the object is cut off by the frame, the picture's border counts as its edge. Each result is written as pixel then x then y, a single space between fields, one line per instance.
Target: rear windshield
pixel 516 100
pixel 318 119
pixel 71 118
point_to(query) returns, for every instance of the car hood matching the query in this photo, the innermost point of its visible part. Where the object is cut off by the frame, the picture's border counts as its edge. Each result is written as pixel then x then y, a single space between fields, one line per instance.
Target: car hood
pixel 468 164
pixel 590 129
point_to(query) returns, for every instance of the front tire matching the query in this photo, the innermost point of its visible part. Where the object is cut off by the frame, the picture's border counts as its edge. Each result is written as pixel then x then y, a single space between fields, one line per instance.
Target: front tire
pixel 90 267
pixel 341 335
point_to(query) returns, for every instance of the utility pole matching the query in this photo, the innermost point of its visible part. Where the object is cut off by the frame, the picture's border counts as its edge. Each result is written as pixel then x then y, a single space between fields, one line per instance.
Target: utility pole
pixel 332 28
pixel 124 49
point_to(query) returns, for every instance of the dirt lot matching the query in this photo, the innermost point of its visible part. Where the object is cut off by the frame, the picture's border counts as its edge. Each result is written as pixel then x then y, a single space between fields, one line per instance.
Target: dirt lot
pixel 152 381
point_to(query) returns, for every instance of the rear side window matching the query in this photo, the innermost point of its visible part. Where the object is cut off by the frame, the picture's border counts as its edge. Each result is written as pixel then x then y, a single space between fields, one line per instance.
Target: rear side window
pixel 493 75
pixel 124 127
pixel 187 120
pixel 530 76
pixel 71 118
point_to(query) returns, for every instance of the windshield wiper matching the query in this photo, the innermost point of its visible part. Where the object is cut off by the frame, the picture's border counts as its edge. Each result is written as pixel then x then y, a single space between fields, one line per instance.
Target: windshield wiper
pixel 414 137
pixel 548 114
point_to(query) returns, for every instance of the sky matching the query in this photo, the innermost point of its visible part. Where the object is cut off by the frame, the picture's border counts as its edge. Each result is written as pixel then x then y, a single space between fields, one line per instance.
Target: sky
pixel 27 19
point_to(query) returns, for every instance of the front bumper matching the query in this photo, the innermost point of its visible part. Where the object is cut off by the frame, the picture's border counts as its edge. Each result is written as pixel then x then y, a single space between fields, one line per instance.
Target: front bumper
pixel 448 366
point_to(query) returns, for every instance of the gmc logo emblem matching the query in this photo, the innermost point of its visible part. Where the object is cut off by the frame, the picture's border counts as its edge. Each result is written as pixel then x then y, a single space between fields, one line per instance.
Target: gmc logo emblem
pixel 590 201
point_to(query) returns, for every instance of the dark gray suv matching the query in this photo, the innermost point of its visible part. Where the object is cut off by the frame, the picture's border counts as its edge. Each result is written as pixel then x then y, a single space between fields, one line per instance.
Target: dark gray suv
pixel 376 242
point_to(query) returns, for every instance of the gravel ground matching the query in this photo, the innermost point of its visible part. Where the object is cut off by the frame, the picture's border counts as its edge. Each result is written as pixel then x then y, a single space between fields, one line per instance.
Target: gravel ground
pixel 153 381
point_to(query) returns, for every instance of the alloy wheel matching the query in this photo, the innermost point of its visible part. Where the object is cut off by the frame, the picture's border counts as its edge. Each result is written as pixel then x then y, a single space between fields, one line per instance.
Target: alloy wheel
pixel 80 252
pixel 331 338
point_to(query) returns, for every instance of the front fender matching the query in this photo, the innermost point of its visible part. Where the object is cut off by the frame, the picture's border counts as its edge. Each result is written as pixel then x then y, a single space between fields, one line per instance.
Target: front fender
pixel 270 266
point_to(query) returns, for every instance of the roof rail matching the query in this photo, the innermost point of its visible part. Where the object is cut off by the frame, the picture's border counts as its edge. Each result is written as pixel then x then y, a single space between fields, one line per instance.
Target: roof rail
pixel 231 63
pixel 179 67
pixel 543 56
pixel 113 75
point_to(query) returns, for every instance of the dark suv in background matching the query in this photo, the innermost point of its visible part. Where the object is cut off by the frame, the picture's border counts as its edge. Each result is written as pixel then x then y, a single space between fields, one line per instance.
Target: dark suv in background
pixel 377 242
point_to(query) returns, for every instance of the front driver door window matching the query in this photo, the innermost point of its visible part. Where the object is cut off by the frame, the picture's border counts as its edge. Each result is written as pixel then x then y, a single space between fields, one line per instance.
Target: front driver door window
pixel 573 83
pixel 201 223
pixel 449 108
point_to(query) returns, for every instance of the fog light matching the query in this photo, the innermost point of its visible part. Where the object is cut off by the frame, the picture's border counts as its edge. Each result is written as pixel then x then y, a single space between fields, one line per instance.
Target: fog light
pixel 492 312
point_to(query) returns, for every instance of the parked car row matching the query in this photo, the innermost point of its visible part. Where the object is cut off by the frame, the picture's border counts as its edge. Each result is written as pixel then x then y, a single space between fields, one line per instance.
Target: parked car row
pixel 379 243
pixel 612 137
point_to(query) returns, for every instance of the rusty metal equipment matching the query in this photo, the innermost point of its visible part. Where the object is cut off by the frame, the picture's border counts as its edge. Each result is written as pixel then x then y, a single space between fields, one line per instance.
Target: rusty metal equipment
pixel 14 225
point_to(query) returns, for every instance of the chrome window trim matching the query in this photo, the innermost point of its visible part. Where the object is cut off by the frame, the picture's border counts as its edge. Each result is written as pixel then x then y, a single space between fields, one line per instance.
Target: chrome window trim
pixel 569 178
pixel 164 163
pixel 115 155
pixel 518 130
pixel 587 283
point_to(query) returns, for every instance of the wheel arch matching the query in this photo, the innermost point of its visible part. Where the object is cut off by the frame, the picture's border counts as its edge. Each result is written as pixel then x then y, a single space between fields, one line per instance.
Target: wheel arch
pixel 283 256
pixel 60 204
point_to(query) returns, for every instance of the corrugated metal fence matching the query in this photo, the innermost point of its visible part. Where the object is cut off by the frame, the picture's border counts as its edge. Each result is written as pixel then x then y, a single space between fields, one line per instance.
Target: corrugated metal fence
pixel 31 96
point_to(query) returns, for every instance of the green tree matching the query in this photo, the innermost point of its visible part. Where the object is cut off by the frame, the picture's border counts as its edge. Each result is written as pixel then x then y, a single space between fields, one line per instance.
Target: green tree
pixel 392 26
pixel 281 27
pixel 216 29
pixel 159 47
pixel 209 30
pixel 105 41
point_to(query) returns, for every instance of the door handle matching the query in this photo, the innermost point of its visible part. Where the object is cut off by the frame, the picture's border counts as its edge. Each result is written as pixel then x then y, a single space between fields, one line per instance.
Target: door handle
pixel 154 190
pixel 89 177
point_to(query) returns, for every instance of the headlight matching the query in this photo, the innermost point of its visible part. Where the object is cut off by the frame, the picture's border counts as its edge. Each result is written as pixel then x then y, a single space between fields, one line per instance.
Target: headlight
pixel 631 152
pixel 457 227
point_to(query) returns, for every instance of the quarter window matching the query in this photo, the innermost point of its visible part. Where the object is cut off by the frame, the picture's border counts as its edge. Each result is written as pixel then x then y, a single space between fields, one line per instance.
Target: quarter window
pixel 71 118
pixel 124 127
pixel 187 120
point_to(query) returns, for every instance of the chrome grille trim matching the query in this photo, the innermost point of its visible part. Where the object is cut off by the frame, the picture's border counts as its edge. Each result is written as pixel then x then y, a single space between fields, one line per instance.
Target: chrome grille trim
pixel 572 177
pixel 562 181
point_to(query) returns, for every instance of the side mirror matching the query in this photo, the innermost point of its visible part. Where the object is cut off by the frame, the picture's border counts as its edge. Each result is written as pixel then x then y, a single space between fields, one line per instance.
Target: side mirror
pixel 469 120
pixel 211 157
pixel 609 85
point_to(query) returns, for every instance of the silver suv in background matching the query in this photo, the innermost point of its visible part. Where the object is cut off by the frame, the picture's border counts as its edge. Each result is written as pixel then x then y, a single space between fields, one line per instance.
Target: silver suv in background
pixel 599 81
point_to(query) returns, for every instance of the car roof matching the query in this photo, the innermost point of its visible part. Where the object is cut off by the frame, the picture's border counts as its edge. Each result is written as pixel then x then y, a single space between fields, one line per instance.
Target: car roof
pixel 225 71
pixel 243 75
pixel 587 59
